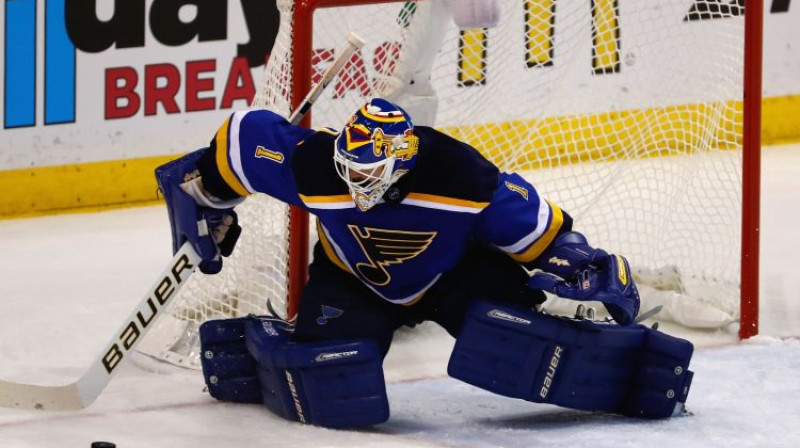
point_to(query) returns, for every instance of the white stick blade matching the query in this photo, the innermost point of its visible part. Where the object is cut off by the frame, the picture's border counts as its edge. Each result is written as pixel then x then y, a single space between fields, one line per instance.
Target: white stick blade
pixel 27 396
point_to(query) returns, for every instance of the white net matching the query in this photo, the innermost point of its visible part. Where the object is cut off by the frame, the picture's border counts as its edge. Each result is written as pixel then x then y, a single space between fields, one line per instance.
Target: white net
pixel 627 114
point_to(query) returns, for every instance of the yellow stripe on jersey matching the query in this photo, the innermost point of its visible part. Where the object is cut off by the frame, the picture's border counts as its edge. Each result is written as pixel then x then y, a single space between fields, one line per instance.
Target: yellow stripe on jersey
pixel 223 165
pixel 326 246
pixel 534 250
pixel 334 201
pixel 447 201
pixel 326 199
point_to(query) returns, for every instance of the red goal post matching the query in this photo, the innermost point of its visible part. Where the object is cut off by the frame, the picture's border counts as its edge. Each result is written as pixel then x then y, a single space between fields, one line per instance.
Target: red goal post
pixel 751 174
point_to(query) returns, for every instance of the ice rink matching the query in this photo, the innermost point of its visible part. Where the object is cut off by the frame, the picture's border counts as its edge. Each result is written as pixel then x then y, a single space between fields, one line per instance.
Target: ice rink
pixel 67 282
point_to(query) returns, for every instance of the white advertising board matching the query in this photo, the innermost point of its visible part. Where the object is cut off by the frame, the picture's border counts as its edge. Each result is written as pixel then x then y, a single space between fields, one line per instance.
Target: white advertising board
pixel 101 80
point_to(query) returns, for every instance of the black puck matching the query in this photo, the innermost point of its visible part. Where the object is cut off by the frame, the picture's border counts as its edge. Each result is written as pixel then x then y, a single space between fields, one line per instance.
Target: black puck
pixel 103 445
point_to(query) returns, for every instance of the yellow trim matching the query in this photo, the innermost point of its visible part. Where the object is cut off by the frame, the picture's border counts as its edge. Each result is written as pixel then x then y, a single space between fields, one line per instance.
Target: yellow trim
pixel 415 299
pixel 79 188
pixel 328 131
pixel 326 246
pixel 780 120
pixel 397 119
pixel 119 183
pixel 560 141
pixel 536 249
pixel 447 200
pixel 326 199
pixel 222 161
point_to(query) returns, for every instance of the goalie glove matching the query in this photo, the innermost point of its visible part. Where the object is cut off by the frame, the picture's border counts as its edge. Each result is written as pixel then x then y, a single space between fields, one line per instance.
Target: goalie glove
pixel 574 270
pixel 209 224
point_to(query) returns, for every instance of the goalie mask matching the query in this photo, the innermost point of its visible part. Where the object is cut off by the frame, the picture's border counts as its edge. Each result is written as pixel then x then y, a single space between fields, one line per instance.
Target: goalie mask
pixel 375 149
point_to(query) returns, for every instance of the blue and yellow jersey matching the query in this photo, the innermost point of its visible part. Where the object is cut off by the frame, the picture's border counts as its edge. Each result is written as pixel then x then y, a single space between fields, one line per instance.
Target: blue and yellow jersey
pixel 251 152
pixel 401 247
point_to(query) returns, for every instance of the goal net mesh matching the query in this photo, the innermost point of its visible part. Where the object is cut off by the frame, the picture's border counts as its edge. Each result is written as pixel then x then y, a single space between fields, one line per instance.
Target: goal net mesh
pixel 626 114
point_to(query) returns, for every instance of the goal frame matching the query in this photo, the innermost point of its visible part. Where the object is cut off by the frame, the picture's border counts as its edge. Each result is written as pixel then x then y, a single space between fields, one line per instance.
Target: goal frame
pixel 302 49
pixel 751 167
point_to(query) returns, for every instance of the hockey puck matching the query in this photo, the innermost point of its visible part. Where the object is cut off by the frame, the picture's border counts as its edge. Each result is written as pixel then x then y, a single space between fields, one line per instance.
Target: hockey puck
pixel 103 445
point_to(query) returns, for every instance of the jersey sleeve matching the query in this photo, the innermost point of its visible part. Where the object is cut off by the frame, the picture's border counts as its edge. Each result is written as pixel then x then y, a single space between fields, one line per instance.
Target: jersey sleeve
pixel 519 221
pixel 251 152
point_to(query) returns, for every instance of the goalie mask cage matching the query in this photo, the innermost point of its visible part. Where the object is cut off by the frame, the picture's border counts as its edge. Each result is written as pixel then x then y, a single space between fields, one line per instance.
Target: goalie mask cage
pixel 641 119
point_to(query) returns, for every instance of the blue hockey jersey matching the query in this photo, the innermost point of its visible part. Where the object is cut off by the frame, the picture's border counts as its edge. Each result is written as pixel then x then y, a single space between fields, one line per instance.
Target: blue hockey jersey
pixel 425 222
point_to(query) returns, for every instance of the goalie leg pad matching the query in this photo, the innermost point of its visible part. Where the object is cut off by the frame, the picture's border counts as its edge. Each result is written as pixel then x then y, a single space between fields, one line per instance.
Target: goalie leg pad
pixel 229 370
pixel 662 379
pixel 585 365
pixel 336 384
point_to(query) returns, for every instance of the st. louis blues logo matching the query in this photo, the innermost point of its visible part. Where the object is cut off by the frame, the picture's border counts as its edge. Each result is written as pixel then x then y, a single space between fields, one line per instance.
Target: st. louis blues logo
pixel 328 312
pixel 386 247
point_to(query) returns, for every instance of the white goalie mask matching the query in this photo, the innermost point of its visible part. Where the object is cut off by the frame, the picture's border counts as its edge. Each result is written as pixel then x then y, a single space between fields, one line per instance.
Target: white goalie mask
pixel 374 150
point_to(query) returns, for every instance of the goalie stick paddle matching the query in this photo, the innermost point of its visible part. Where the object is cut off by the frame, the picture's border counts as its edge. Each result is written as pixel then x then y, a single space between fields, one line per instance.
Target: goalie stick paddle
pixel 86 389
pixel 83 392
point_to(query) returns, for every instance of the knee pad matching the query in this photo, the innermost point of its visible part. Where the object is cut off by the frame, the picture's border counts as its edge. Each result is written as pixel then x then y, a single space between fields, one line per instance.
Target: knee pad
pixel 633 370
pixel 336 384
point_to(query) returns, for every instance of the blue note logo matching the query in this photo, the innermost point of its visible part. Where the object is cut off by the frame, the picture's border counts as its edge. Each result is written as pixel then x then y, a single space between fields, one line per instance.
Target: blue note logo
pixel 328 312
pixel 383 248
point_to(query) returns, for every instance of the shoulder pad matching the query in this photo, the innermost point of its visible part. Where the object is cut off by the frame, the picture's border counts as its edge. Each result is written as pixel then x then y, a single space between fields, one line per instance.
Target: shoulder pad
pixel 451 168
pixel 313 166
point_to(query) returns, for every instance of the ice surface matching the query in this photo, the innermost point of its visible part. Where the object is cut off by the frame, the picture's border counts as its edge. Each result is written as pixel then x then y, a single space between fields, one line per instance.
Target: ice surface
pixel 67 282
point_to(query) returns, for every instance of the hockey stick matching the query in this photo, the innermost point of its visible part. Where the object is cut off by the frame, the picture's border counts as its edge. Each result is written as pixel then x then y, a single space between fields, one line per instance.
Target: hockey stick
pixel 648 314
pixel 353 43
pixel 84 391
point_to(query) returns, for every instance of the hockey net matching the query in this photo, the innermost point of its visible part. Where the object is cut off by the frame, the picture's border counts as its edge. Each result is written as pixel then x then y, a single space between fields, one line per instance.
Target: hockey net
pixel 628 115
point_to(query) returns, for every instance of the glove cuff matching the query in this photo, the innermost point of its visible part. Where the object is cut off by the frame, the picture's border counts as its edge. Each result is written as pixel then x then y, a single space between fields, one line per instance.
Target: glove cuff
pixel 194 188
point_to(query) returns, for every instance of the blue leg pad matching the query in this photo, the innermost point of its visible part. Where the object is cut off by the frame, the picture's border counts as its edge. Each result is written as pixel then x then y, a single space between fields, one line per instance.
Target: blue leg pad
pixel 229 370
pixel 515 352
pixel 336 384
pixel 662 378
